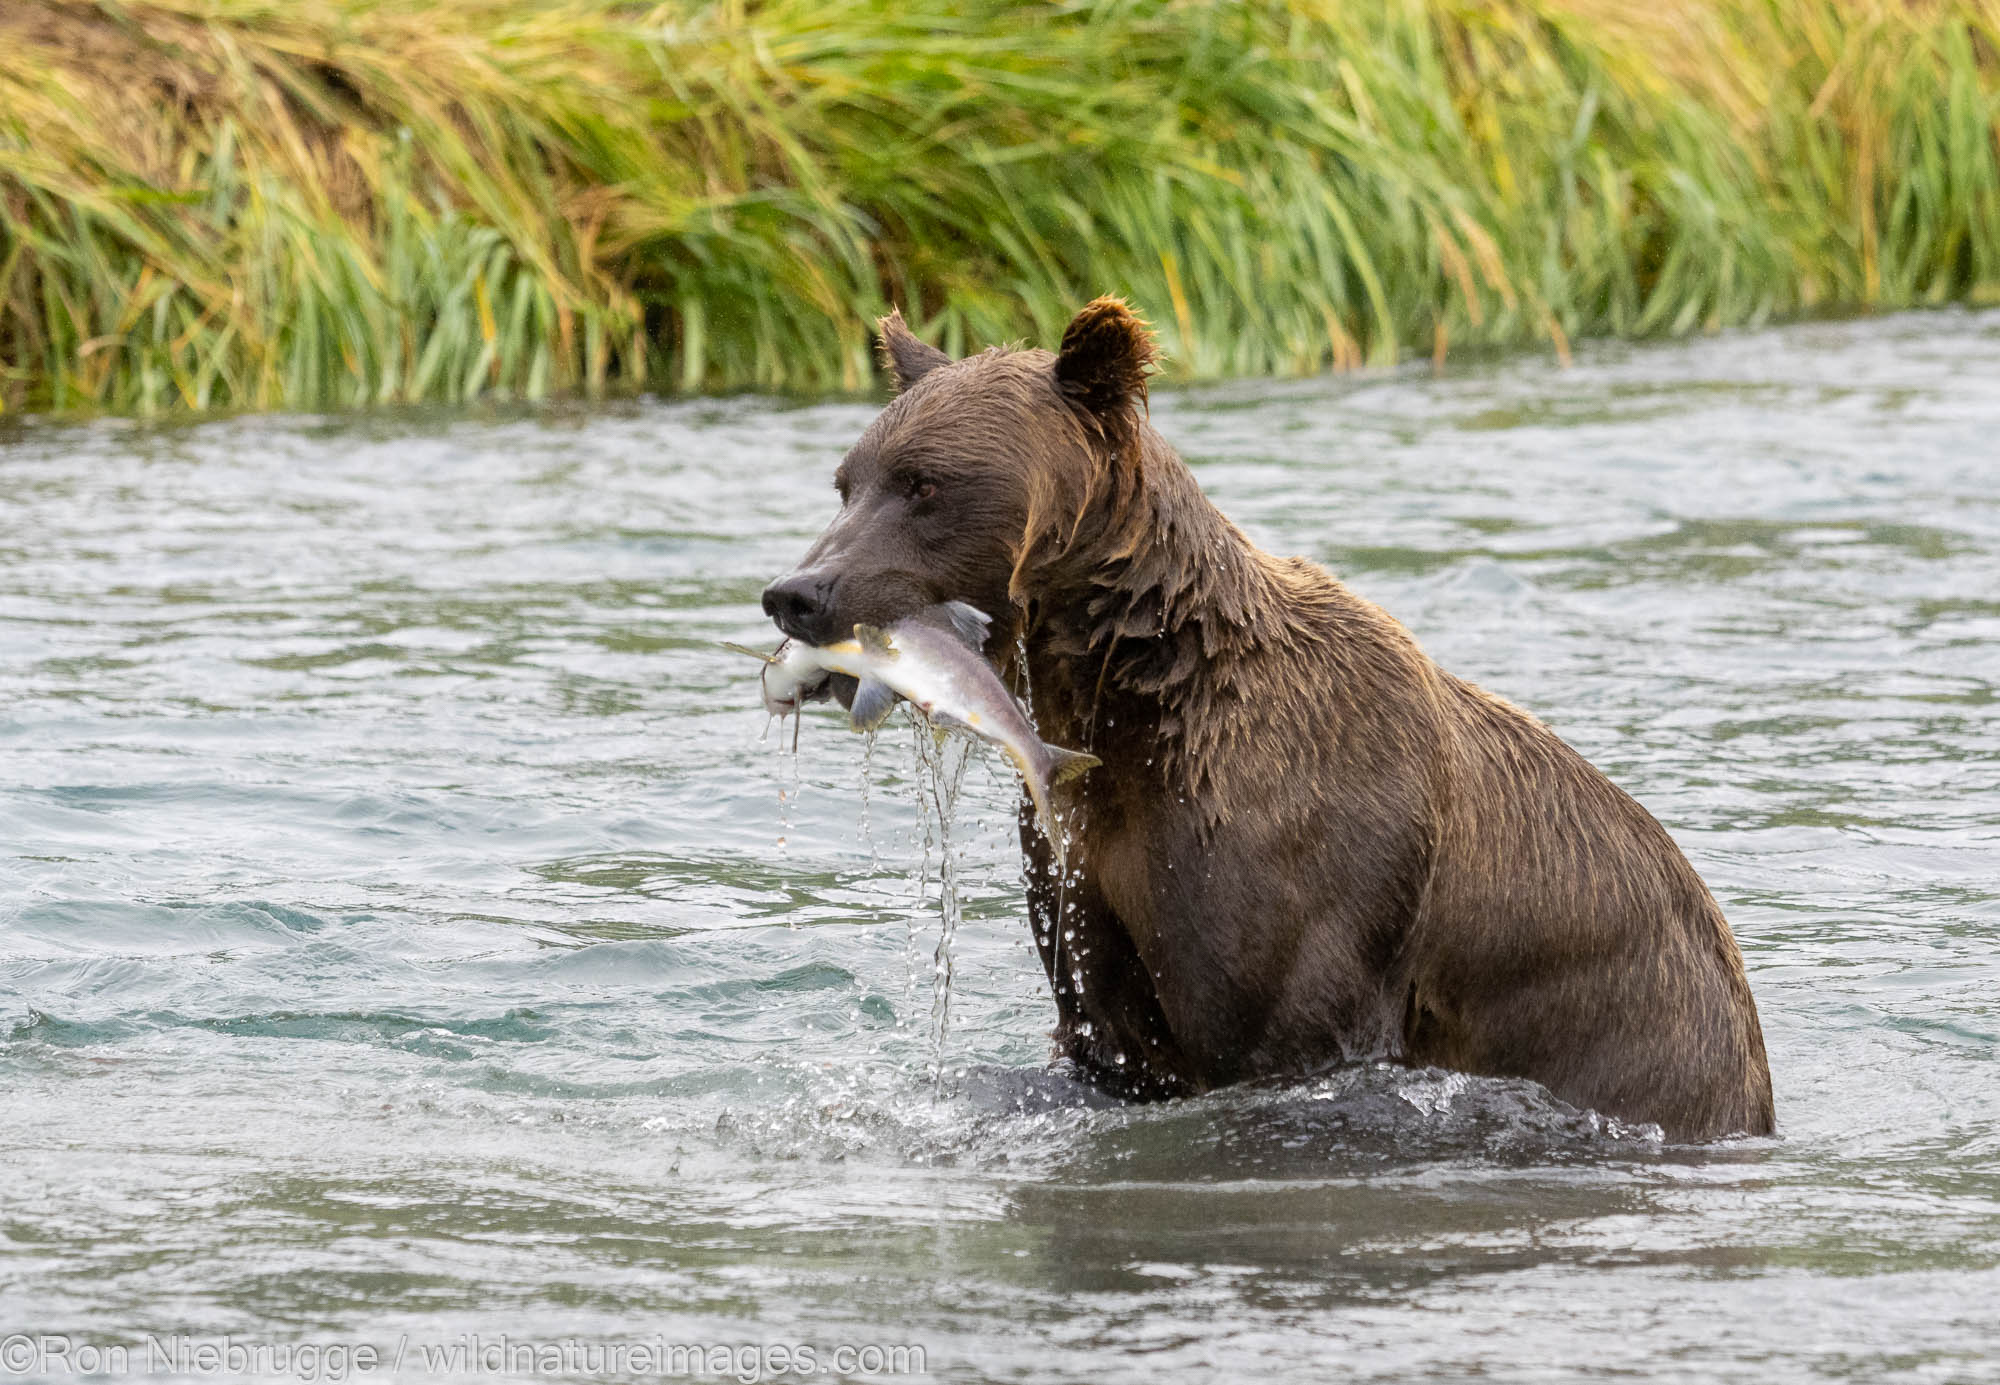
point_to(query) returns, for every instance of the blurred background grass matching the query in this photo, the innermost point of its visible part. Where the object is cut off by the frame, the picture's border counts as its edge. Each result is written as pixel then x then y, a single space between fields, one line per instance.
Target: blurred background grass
pixel 305 203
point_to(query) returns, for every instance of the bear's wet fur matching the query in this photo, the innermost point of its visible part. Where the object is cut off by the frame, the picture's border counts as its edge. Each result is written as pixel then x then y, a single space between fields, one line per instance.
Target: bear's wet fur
pixel 1308 844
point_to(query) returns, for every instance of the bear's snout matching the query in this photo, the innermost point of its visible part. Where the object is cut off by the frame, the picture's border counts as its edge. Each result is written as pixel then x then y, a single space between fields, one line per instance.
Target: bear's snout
pixel 801 605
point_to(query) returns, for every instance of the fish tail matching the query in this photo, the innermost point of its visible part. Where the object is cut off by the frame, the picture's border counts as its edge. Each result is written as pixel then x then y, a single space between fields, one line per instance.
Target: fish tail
pixel 1036 781
pixel 1057 766
pixel 1065 765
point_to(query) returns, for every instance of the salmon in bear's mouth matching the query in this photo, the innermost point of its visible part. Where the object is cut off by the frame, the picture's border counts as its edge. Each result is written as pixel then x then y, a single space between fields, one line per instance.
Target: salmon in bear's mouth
pixel 935 661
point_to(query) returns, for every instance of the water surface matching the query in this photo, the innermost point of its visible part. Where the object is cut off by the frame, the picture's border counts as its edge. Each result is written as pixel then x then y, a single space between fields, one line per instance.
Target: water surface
pixel 406 934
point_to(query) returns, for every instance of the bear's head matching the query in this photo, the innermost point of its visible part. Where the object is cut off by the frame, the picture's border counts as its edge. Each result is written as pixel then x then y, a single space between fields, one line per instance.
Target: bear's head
pixel 977 478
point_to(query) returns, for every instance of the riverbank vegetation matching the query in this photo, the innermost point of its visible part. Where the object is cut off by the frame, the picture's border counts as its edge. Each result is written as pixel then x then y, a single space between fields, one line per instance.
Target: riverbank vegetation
pixel 304 203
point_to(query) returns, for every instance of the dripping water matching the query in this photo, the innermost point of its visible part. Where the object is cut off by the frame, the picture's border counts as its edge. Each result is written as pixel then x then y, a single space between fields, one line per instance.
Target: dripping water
pixel 867 825
pixel 940 774
pixel 788 794
pixel 1024 683
pixel 1058 926
pixel 925 836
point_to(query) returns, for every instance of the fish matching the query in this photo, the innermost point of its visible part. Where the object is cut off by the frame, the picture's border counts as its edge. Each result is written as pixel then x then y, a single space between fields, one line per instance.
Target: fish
pixel 791 678
pixel 931 660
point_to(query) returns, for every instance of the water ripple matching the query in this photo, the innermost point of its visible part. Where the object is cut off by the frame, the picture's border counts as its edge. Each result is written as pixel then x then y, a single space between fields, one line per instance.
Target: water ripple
pixel 405 927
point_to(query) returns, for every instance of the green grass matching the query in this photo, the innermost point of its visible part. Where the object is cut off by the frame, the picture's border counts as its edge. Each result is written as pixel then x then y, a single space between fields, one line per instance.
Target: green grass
pixel 302 203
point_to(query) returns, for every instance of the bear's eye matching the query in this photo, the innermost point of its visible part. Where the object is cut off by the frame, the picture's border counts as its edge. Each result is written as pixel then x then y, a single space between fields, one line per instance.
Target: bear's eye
pixel 922 488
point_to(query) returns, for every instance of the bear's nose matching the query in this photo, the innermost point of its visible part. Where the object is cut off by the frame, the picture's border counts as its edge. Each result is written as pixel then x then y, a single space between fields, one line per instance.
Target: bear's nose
pixel 800 606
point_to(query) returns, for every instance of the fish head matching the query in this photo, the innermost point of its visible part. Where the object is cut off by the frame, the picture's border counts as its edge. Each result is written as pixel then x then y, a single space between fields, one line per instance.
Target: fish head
pixel 789 680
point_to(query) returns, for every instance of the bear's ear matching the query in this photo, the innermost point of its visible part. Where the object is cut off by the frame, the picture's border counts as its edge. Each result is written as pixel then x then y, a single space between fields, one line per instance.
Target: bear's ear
pixel 907 357
pixel 1106 355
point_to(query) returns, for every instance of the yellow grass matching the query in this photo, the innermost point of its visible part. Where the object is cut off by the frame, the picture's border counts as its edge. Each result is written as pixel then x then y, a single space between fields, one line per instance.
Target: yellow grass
pixel 301 203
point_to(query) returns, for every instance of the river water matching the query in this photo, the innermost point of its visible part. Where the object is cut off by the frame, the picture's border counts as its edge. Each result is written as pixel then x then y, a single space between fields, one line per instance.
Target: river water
pixel 408 940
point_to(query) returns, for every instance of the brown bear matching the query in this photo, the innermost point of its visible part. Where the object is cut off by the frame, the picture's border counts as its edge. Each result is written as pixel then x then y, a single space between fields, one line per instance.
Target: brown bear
pixel 1307 843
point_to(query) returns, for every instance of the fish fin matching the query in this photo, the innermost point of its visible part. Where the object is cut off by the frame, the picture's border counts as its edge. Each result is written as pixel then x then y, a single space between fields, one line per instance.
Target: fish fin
pixel 736 648
pixel 1065 765
pixel 969 622
pixel 873 639
pixel 873 701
